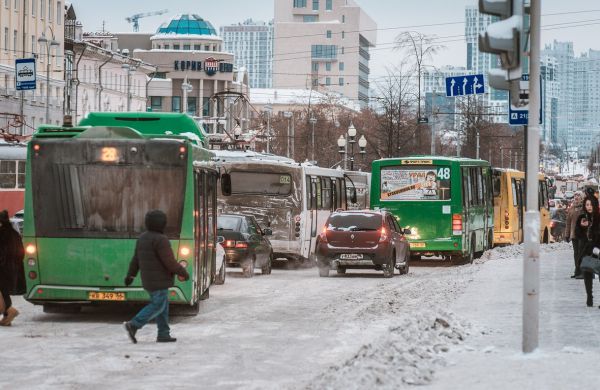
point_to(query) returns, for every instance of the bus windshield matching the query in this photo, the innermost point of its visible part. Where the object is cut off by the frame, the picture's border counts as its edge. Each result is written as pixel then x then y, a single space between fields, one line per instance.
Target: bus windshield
pixel 106 201
pixel 261 183
pixel 415 183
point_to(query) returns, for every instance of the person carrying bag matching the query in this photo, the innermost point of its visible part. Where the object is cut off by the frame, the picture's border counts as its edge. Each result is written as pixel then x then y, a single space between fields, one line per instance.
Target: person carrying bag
pixel 587 231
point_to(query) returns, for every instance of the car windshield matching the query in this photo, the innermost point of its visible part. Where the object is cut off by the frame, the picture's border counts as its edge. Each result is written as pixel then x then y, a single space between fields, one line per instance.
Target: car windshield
pixel 229 223
pixel 354 222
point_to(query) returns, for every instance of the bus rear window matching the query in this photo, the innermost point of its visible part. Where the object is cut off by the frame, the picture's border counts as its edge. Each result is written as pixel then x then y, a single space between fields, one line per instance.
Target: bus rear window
pixel 261 183
pixel 415 183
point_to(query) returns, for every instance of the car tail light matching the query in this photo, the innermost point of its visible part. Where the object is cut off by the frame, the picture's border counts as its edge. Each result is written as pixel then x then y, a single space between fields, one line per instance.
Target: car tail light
pixel 323 235
pixel 241 244
pixel 457 224
pixel 229 244
pixel 382 234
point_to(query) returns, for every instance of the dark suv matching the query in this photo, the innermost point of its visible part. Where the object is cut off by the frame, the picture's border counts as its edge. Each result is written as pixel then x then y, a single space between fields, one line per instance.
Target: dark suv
pixel 362 239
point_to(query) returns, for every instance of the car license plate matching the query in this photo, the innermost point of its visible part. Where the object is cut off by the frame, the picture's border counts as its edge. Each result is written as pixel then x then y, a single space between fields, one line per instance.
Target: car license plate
pixel 417 245
pixel 351 256
pixel 106 296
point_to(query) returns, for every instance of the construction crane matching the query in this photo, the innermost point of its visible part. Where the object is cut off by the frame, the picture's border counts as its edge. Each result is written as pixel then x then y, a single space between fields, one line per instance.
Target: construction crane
pixel 135 18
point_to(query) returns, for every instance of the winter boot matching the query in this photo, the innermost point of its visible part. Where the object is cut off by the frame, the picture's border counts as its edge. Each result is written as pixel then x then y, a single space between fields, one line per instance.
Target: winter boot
pixel 10 315
pixel 131 331
pixel 167 339
pixel 590 301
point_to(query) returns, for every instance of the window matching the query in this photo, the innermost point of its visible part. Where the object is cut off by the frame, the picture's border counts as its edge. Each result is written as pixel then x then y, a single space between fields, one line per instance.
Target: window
pixel 328 33
pixel 176 47
pixel 156 103
pixel 206 47
pixel 167 47
pixel 15 40
pixel 326 193
pixel 343 34
pixel 16 5
pixel 6 3
pixel 341 66
pixel 327 80
pixel 299 3
pixel 315 66
pixel 315 82
pixel 43 9
pixel 205 106
pixel 176 104
pixel 59 13
pixel 328 5
pixel 33 7
pixel 343 18
pixel 8 174
pixel 355 221
pixel 324 51
pixel 187 47
pixel 197 47
pixel 33 44
pixel 315 5
pixel 328 66
pixel 191 105
pixel 261 183
pixel 310 18
pixel 341 81
pixel 342 50
pixel 6 47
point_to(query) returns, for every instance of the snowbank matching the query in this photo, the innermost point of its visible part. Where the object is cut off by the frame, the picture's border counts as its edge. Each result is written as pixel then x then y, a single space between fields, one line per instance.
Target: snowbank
pixel 515 251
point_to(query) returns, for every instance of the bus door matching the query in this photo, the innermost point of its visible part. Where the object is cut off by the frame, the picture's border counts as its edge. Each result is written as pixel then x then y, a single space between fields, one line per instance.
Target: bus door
pixel 211 212
pixel 310 224
pixel 520 207
pixel 200 234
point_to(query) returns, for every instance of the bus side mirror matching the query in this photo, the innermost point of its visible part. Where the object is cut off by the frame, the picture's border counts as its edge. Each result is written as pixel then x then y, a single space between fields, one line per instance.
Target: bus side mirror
pixel 226 184
pixel 353 195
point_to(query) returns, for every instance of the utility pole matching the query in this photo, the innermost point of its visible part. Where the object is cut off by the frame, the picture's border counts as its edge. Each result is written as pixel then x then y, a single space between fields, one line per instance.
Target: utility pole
pixel 531 254
pixel 433 122
pixel 477 145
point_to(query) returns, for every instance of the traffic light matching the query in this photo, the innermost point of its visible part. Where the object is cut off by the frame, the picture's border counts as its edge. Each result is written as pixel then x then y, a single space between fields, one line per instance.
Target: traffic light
pixel 504 38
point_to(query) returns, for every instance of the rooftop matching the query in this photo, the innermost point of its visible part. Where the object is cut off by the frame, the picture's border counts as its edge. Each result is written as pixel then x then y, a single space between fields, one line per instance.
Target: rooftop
pixel 187 24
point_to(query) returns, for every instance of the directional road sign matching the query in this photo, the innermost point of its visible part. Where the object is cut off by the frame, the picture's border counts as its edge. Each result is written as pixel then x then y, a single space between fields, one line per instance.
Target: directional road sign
pixel 25 73
pixel 519 116
pixel 465 85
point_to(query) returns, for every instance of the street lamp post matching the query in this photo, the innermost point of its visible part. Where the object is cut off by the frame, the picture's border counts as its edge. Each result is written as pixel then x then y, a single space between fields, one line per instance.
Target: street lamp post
pixel 342 144
pixel 288 115
pixel 186 88
pixel 49 44
pixel 313 121
pixel 129 70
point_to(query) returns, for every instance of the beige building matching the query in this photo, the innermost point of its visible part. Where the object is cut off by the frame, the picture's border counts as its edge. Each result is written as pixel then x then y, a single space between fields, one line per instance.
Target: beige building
pixel 22 24
pixel 323 45
pixel 193 73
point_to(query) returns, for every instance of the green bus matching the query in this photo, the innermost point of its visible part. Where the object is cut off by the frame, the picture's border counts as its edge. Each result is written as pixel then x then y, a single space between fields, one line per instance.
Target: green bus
pixel 158 123
pixel 87 192
pixel 446 202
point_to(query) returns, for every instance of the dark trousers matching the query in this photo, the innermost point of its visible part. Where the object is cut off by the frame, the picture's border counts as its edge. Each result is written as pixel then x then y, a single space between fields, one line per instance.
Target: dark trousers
pixel 588 279
pixel 6 296
pixel 576 255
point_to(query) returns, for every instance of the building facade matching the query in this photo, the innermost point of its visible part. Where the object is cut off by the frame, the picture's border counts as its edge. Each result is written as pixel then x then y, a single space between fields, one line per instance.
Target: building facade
pixel 194 74
pixel 323 45
pixel 251 44
pixel 31 29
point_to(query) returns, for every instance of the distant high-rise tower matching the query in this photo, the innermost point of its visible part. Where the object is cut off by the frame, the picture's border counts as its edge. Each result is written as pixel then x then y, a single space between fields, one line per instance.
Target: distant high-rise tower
pixel 477 61
pixel 323 44
pixel 251 43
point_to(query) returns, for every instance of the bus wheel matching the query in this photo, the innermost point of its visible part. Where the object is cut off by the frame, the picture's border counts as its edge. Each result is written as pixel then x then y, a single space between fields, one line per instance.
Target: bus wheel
pixel 388 269
pixel 490 240
pixel 415 257
pixel 61 308
pixel 185 310
pixel 266 270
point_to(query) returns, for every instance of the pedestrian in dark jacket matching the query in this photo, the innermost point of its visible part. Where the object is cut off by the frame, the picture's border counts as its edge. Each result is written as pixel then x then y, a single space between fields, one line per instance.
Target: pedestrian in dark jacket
pixel 574 212
pixel 156 262
pixel 11 267
pixel 588 234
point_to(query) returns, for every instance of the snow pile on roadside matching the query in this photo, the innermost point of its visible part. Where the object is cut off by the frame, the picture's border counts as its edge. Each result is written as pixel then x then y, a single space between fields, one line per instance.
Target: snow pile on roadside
pixel 409 355
pixel 513 251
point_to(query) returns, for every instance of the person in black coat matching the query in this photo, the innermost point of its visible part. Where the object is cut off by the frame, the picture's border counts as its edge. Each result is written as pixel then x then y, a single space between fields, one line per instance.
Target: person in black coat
pixel 587 231
pixel 155 260
pixel 11 267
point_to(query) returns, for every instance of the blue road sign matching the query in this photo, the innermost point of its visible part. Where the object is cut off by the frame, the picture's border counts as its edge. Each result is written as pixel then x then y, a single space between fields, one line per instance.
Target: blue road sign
pixel 25 73
pixel 465 85
pixel 519 116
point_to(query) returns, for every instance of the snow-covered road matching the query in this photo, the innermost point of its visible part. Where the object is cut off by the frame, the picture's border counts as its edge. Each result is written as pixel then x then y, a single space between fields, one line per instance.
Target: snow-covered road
pixel 291 329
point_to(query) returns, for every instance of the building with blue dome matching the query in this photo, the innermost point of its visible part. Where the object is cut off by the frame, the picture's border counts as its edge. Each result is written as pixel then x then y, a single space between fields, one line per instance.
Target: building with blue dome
pixel 192 71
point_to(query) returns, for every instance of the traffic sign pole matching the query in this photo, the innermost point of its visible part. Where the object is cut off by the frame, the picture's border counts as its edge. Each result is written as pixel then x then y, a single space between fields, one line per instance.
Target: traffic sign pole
pixel 531 254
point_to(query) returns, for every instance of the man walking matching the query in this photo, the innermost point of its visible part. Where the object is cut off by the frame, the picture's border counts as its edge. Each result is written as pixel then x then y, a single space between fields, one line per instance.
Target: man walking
pixel 156 262
pixel 574 211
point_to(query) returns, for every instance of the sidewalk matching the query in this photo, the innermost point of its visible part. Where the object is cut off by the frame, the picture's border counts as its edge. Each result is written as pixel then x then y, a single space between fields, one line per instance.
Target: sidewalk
pixel 569 345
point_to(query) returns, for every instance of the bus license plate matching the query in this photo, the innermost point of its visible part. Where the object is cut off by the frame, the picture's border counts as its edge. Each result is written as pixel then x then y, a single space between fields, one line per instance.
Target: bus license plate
pixel 106 296
pixel 351 256
pixel 417 245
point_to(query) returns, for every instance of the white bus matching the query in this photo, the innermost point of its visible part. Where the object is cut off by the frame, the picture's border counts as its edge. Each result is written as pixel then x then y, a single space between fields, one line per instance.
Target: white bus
pixel 292 199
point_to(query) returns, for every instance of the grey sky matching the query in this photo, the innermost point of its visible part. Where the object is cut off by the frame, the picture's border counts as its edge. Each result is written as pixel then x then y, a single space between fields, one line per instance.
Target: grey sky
pixel 392 17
